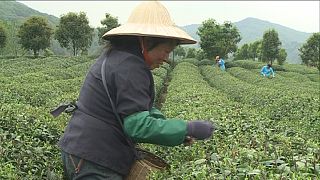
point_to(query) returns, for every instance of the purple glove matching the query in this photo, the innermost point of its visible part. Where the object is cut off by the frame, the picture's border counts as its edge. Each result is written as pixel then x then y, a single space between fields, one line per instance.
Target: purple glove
pixel 200 129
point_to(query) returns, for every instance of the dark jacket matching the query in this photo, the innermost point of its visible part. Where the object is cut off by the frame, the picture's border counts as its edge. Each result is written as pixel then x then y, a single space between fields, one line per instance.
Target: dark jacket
pixel 93 132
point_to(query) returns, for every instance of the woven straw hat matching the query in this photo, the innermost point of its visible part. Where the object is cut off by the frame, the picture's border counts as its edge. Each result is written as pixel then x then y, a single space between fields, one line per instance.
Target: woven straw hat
pixel 151 18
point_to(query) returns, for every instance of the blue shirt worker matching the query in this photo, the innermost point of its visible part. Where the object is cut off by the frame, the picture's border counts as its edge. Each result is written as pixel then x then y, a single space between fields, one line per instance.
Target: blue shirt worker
pixel 267 70
pixel 221 64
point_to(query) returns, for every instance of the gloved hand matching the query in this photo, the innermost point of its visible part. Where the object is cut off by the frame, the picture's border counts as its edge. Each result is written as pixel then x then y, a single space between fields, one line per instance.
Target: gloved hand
pixel 200 129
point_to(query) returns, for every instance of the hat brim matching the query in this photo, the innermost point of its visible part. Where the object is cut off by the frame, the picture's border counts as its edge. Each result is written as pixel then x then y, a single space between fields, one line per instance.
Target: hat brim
pixel 153 30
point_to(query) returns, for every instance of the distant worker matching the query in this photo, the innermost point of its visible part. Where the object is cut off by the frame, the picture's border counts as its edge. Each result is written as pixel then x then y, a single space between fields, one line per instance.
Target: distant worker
pixel 267 70
pixel 220 63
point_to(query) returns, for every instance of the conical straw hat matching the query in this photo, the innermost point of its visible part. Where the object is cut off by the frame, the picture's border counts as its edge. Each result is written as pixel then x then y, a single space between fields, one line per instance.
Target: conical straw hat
pixel 151 18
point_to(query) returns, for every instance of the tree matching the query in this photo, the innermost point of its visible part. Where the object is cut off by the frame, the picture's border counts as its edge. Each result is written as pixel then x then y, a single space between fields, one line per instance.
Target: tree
pixel 230 38
pixel 74 32
pixel 3 36
pixel 243 52
pixel 282 56
pixel 12 48
pixel 180 51
pixel 309 52
pixel 254 49
pixel 191 53
pixel 35 34
pixel 48 53
pixel 270 46
pixel 109 23
pixel 218 39
pixel 200 55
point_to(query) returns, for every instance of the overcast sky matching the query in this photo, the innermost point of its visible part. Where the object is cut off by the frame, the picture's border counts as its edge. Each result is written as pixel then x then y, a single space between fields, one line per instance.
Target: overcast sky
pixel 298 15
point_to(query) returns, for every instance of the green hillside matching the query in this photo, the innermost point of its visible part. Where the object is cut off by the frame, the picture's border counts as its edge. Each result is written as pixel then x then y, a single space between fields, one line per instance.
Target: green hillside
pixel 15 11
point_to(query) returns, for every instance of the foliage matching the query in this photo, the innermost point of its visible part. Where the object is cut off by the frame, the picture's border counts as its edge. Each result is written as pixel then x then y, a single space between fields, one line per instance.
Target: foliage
pixel 242 53
pixel 16 13
pixel 191 53
pixel 247 64
pixel 249 51
pixel 35 34
pixel 248 143
pixel 47 52
pixel 255 50
pixel 109 22
pixel 265 128
pixel 282 56
pixel 204 62
pixel 200 54
pixel 159 76
pixel 218 39
pixel 270 46
pixel 12 48
pixel 3 36
pixel 74 32
pixel 300 68
pixel 309 52
pixel 193 61
pixel 194 55
pixel 180 51
pixel 28 135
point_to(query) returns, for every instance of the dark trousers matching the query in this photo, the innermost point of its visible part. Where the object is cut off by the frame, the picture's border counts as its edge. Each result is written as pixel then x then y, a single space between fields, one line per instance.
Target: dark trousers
pixel 77 169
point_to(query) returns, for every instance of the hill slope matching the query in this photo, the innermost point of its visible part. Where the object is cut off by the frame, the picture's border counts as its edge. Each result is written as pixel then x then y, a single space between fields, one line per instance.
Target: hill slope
pixel 15 11
pixel 252 29
pixel 12 11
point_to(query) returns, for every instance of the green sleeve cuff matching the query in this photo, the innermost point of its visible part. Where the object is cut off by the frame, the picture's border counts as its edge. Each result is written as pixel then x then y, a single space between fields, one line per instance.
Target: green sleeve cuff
pixel 142 127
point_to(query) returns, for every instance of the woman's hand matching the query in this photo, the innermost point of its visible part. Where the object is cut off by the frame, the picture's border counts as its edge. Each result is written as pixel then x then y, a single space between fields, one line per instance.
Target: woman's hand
pixel 200 129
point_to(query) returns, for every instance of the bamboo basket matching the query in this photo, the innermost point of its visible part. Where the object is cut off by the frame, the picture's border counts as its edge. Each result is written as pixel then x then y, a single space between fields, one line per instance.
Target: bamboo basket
pixel 144 166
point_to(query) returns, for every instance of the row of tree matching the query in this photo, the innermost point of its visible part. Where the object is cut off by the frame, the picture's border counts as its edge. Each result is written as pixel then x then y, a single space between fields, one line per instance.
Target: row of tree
pixel 222 39
pixel 73 32
pixel 266 50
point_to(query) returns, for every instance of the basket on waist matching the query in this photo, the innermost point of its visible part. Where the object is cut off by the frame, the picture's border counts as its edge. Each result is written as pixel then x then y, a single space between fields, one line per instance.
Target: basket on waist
pixel 148 163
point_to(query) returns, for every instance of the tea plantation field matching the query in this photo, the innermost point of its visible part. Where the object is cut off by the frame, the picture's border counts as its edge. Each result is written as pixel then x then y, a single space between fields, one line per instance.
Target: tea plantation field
pixel 266 128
